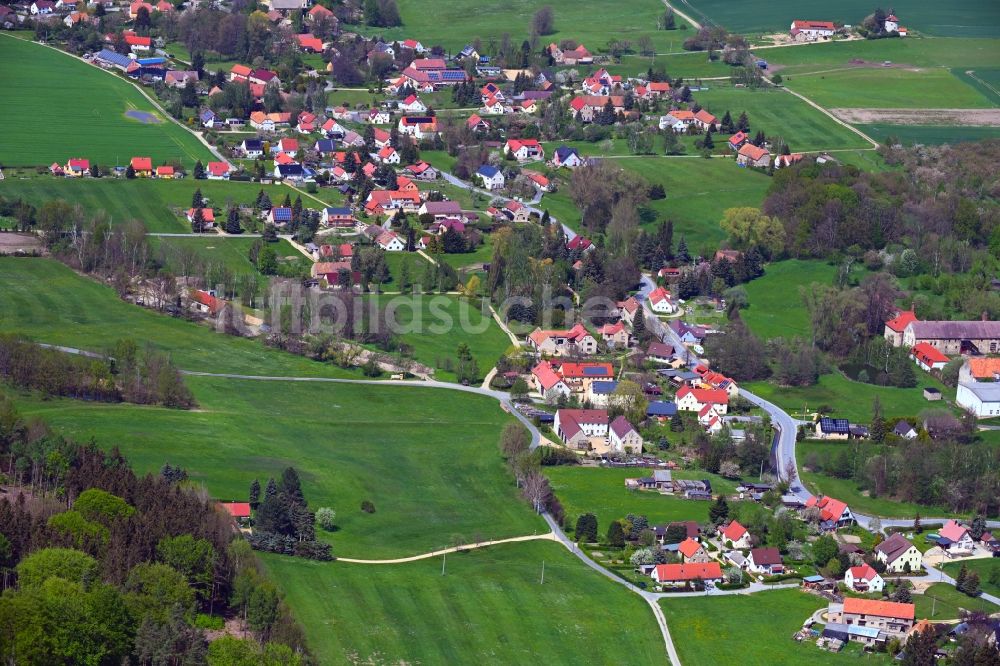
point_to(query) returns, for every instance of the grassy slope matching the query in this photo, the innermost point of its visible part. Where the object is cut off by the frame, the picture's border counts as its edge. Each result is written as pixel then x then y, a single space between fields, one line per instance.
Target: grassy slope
pixel 230 252
pixel 602 492
pixel 942 601
pixel 593 23
pixel 982 567
pixel 960 18
pixel 753 630
pixel 48 302
pixel 779 114
pixel 847 491
pixel 442 323
pixel 427 458
pixel 489 608
pixel 776 307
pixel 157 203
pixel 64 108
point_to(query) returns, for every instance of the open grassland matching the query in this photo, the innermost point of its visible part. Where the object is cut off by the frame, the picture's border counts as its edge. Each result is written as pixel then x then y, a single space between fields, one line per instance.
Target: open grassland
pixel 983 567
pixel 47 302
pixel 57 107
pixel 159 204
pixel 453 25
pixel 483 254
pixel 961 18
pixel 985 80
pixel 489 607
pixel 836 395
pixel 929 134
pixel 942 601
pixel 427 458
pixel 898 87
pixel 228 252
pixel 433 326
pixel 749 629
pixel 776 305
pixel 779 114
pixel 601 491
pixel 674 62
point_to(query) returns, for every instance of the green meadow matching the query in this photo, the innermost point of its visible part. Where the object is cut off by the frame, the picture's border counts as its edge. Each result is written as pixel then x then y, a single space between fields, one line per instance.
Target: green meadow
pixel 750 629
pixel 229 252
pixel 159 204
pixel 453 25
pixel 932 52
pixel 62 107
pixel 779 114
pixel 602 491
pixel 490 606
pixel 776 305
pixel 961 18
pixel 982 567
pixel 898 88
pixel 942 601
pixel 929 134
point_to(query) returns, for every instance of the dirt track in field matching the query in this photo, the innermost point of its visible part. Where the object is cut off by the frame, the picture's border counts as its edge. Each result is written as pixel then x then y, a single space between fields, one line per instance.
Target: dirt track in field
pixel 973 117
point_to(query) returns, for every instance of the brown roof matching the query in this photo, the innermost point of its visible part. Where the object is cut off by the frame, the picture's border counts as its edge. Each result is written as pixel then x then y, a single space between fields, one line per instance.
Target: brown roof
pixel 762 556
pixel 955 330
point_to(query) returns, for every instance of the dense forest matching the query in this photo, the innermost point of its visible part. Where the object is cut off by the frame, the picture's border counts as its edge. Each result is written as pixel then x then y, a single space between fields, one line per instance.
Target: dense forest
pixel 101 566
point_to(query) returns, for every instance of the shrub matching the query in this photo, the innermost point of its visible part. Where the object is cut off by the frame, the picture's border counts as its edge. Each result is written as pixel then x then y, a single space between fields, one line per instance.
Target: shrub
pixel 326 516
pixel 367 506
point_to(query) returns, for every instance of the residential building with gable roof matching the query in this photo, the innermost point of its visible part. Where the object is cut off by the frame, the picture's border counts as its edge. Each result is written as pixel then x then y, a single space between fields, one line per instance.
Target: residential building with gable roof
pixel 863 579
pixel 680 575
pixel 735 534
pixel 833 514
pixel 898 554
pixel 623 437
pixel 576 427
pixel 577 340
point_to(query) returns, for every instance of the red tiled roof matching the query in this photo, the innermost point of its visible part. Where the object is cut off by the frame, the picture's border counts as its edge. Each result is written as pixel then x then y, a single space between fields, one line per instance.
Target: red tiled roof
pixel 752 151
pixel 218 168
pixel 582 370
pixel 953 531
pixel 716 396
pixel 814 25
pixel 981 368
pixel 734 531
pixel 688 571
pixel 864 572
pixel 880 608
pixel 689 547
pixel 928 354
pixel 547 377
pixel 237 509
pixel 901 320
pixel 142 163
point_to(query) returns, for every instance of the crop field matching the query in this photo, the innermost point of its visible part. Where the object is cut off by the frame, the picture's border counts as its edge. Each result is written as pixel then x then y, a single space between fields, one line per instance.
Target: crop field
pixel 898 87
pixel 427 458
pixel 757 629
pixel 489 607
pixel 65 108
pixel 778 113
pixel 601 491
pixel 453 25
pixel 159 204
pixel 936 52
pixel 47 302
pixel 434 325
pixel 929 134
pixel 962 18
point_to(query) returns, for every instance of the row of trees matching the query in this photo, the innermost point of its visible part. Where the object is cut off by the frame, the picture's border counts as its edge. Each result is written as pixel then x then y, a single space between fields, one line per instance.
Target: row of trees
pixel 145 377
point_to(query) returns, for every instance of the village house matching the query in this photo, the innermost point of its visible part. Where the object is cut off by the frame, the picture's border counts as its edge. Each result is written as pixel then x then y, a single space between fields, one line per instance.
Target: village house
pixel 694 399
pixel 142 166
pixel 578 376
pixel 548 383
pixel 811 30
pixel 571 57
pixel 576 427
pixel 491 177
pixel 830 428
pixel 980 398
pixel 166 171
pixel 623 437
pixel 279 215
pixel 412 104
pixel 833 514
pixel 524 149
pixel 692 551
pixel 955 540
pixel 689 334
pixel 980 370
pixel 338 218
pixel 441 210
pixel 661 301
pixel 955 337
pixel 390 241
pixel 599 393
pixel 927 357
pixel 204 302
pixel 894 327
pixel 898 555
pixel 765 561
pixel 677 121
pixel 863 579
pixel 782 161
pixel 688 573
pixel 419 127
pixel 889 617
pixel 207 217
pixel 252 148
pixel 180 78
pixel 737 140
pixel 615 336
pixel 750 155
pixel 380 202
pixel 703 120
pixel 565 156
pixel 735 536
pixel 587 107
pixel 577 340
pixel 217 171
pixel 659 352
pixel 904 430
pixel 627 310
pixel 77 167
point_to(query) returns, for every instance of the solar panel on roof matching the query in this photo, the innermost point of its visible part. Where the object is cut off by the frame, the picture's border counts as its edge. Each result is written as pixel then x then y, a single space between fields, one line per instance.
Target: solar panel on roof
pixel 600 372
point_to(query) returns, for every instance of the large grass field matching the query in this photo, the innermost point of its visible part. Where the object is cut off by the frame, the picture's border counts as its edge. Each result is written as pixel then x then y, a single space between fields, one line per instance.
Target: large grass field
pixel 427 458
pixel 57 107
pixel 962 18
pixel 229 252
pixel 936 52
pixel 159 204
pixel 755 630
pixel 49 303
pixel 844 398
pixel 453 25
pixel 983 567
pixel 489 608
pixel 434 325
pixel 779 114
pixel 601 491
pixel 898 88
pixel 846 491
pixel 776 306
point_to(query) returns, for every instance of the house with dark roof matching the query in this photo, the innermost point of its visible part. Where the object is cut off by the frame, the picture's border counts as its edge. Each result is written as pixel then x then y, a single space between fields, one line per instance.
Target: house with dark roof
pixel 623 437
pixel 829 428
pixel 661 409
pixel 765 561
pixel 576 427
pixel 565 156
pixel 978 337
pixel 898 554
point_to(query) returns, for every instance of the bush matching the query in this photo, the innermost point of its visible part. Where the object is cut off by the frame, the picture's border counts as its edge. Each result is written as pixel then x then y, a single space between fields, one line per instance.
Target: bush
pixel 211 622
pixel 367 506
pixel 326 516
